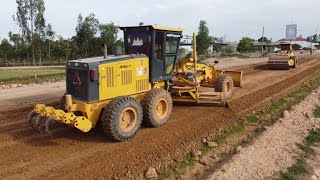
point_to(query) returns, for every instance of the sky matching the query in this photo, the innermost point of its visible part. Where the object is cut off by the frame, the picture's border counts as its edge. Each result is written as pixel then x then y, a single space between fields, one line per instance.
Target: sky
pixel 231 19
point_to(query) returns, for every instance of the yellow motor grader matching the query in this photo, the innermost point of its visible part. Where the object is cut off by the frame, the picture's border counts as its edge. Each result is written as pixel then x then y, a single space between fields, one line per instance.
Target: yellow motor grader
pixel 284 59
pixel 124 91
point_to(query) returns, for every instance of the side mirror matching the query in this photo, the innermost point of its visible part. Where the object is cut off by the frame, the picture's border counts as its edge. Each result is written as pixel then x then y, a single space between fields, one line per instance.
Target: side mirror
pixel 216 61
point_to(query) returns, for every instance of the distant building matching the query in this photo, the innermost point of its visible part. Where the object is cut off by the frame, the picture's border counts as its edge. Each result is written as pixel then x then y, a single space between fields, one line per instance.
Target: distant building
pixel 301 41
pixel 291 31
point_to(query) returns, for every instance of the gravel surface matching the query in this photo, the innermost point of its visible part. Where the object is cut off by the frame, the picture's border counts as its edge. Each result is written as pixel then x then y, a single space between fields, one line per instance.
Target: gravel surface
pixel 236 62
pixel 272 151
pixel 71 154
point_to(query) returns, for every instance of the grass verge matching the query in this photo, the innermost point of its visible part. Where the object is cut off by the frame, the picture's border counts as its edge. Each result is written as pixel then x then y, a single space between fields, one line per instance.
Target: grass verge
pixel 268 114
pixel 31 76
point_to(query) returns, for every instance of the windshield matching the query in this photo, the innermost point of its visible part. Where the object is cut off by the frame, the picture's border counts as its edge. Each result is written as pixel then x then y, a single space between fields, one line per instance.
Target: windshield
pixel 285 47
pixel 172 43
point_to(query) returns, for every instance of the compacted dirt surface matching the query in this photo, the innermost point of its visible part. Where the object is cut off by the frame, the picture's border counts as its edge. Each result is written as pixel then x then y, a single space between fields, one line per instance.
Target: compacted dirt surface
pixel 71 154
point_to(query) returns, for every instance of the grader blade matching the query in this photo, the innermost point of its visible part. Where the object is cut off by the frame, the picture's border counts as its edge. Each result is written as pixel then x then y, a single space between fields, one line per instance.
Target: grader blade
pixel 235 75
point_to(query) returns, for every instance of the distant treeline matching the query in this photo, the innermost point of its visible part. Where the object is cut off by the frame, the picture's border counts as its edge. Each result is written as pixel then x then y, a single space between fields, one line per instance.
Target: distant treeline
pixel 38 44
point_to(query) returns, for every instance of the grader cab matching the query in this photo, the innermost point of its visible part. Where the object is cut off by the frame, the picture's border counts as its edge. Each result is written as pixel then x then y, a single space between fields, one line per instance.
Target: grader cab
pixel 122 92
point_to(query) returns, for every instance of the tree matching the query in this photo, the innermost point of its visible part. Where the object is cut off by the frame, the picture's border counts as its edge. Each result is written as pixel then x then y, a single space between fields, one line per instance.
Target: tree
pixel 23 19
pixel 203 38
pixel 246 45
pixel 50 34
pixel 86 31
pixel 5 49
pixel 108 34
pixel 20 49
pixel 30 18
pixel 265 40
pixel 313 38
pixel 40 26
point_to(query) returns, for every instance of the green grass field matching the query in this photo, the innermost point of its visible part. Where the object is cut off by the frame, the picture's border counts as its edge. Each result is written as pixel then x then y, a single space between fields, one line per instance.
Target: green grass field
pixel 31 76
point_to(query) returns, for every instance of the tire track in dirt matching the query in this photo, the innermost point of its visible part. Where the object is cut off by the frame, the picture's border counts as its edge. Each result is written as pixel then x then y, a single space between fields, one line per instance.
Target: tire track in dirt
pixel 96 156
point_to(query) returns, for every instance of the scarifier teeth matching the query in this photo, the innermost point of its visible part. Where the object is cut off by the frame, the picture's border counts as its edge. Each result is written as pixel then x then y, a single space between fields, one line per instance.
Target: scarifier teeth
pixel 47 124
pixel 38 121
pixel 30 117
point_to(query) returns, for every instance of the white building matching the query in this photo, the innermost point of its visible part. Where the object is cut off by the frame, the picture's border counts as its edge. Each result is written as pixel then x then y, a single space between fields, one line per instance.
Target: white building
pixel 301 41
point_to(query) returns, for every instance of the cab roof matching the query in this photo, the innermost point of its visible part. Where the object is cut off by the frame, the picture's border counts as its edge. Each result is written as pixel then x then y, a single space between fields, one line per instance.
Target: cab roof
pixel 285 43
pixel 156 27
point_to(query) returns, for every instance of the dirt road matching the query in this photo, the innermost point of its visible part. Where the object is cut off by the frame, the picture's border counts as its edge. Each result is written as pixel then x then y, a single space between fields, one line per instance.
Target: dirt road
pixel 71 154
pixel 33 94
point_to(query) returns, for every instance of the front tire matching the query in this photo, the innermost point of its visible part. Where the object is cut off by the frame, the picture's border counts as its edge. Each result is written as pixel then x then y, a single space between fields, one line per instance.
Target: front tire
pixel 122 118
pixel 224 84
pixel 157 107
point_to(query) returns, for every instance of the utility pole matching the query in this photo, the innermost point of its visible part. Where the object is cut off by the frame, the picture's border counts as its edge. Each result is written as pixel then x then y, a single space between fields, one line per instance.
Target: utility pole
pixel 262 49
pixel 316 33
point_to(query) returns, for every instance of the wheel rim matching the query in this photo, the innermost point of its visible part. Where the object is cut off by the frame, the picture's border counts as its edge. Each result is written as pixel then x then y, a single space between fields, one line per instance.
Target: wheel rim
pixel 161 108
pixel 228 87
pixel 128 119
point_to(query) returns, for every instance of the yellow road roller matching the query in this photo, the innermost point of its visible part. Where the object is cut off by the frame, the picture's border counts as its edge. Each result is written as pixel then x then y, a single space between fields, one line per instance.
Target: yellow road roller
pixel 121 92
pixel 284 59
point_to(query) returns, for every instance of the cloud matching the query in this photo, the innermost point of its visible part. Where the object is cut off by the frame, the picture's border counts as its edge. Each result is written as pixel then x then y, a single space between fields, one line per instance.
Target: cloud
pixel 161 6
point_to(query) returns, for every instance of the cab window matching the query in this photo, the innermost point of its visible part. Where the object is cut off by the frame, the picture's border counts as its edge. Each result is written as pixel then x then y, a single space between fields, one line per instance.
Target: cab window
pixel 171 47
pixel 159 45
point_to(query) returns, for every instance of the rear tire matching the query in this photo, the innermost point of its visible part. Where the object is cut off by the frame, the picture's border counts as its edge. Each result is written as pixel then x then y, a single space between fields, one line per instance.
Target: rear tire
pixel 122 118
pixel 157 107
pixel 224 83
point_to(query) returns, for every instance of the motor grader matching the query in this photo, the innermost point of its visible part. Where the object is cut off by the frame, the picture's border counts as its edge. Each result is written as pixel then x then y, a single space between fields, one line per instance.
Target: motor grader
pixel 284 59
pixel 122 92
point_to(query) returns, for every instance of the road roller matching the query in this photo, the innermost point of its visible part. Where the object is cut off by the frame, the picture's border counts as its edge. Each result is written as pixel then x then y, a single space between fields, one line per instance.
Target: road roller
pixel 284 59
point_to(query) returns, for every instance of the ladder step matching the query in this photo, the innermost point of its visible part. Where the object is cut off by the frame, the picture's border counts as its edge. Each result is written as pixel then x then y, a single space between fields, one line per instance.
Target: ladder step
pixel 210 102
pixel 209 93
pixel 210 97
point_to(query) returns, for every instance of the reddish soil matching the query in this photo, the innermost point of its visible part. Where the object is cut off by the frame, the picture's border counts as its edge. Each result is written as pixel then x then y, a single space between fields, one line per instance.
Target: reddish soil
pixel 71 154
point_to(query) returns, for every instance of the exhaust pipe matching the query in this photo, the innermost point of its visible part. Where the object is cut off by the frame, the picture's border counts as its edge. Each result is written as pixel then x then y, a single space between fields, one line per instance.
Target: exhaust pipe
pixel 105 51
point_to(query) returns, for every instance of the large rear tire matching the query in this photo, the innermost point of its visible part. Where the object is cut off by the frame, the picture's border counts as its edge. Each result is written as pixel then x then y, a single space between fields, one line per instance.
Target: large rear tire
pixel 157 107
pixel 224 84
pixel 122 118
